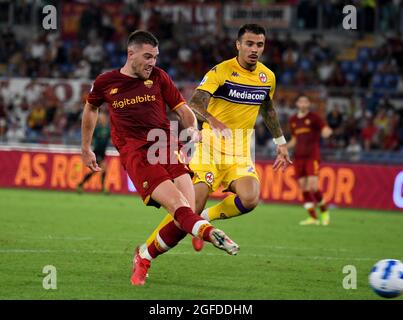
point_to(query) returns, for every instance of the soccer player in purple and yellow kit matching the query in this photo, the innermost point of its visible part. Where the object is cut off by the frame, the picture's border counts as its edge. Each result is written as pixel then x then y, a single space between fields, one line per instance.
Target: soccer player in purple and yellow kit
pixel 307 128
pixel 137 95
pixel 228 100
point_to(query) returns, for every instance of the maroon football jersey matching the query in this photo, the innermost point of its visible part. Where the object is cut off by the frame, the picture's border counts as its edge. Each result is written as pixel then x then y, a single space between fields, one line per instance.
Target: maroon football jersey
pixel 135 105
pixel 307 131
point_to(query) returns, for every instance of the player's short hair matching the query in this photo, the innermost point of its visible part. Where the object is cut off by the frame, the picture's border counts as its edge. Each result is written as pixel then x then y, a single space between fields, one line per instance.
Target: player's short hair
pixel 252 28
pixel 142 37
pixel 302 95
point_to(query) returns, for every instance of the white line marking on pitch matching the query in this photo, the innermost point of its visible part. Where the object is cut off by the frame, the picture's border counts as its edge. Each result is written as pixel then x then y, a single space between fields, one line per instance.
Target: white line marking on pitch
pixel 188 253
pixel 88 238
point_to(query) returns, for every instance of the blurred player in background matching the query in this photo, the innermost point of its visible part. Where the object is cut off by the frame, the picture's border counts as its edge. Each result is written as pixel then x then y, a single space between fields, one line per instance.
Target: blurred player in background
pixel 228 100
pixel 137 95
pixel 100 137
pixel 307 128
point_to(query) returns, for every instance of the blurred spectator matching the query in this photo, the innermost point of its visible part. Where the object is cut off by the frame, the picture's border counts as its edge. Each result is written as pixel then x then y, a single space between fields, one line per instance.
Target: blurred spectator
pixel 36 120
pixel 325 70
pixel 3 118
pixel 335 117
pixel 33 92
pixel 15 133
pixel 354 150
pixel 94 53
pixel 368 134
pixel 290 58
pixel 83 70
pixel 381 121
pixel 90 21
pixel 337 79
pixel 371 83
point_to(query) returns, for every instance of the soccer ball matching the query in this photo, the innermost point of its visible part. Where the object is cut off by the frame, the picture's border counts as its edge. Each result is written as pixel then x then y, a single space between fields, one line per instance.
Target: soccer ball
pixel 386 278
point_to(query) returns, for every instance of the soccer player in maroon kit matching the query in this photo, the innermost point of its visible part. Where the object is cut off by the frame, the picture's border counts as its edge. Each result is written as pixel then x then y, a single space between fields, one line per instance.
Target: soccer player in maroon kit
pixel 307 128
pixel 137 95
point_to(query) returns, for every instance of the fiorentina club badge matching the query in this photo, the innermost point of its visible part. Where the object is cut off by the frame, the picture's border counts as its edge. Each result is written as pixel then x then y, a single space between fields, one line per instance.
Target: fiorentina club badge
pixel 209 177
pixel 262 77
pixel 148 83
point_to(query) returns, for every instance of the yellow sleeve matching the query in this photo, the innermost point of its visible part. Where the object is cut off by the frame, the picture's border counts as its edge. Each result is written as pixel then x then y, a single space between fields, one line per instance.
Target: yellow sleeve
pixel 273 86
pixel 212 80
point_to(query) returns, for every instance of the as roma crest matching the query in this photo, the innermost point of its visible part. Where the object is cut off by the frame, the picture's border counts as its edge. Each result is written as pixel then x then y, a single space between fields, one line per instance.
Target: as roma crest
pixel 148 83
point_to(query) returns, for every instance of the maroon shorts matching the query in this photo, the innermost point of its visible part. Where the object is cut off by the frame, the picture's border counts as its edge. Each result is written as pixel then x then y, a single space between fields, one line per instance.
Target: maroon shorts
pixel 146 176
pixel 306 167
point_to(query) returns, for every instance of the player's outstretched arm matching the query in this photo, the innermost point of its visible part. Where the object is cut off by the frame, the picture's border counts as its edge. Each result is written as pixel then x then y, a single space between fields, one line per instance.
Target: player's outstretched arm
pixel 188 121
pixel 270 118
pixel 199 103
pixel 89 121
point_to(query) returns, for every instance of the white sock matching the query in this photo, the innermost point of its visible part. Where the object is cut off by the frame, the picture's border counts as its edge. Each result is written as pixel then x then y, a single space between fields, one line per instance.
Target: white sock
pixel 144 254
pixel 197 226
pixel 204 215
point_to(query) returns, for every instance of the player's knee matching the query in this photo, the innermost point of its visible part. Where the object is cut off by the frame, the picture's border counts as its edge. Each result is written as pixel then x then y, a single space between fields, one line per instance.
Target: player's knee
pixel 249 201
pixel 176 202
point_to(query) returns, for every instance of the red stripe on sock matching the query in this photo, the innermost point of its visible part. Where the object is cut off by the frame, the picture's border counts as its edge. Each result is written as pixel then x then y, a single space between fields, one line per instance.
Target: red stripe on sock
pixel 153 251
pixel 206 233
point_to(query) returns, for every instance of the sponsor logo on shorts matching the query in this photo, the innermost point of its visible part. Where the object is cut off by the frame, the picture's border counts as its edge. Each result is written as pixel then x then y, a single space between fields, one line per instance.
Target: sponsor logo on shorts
pixel 209 177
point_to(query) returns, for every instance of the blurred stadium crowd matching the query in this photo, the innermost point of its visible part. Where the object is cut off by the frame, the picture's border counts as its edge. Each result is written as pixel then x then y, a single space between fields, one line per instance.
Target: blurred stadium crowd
pixel 360 94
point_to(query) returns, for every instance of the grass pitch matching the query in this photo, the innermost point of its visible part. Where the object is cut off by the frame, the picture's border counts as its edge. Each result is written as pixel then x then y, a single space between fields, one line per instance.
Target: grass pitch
pixel 89 238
